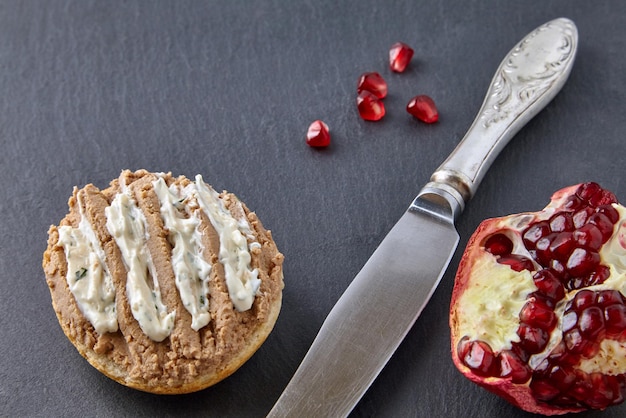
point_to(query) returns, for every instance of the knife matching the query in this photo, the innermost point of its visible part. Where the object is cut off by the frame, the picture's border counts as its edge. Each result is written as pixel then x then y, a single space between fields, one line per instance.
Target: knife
pixel 384 300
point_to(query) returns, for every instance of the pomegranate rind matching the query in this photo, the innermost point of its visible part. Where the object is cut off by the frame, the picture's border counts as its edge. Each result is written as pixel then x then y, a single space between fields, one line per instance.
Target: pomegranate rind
pixel 518 394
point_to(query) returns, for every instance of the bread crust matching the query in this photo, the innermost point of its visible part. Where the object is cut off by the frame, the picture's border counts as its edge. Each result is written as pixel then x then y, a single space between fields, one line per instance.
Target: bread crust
pixel 187 360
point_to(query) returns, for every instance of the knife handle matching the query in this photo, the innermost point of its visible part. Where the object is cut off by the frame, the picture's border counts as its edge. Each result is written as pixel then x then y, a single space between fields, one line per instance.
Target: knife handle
pixel 529 77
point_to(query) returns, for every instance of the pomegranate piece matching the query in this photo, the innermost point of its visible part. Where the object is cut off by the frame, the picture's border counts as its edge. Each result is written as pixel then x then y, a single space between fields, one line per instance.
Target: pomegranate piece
pixel 374 83
pixel 370 107
pixel 538 313
pixel 400 55
pixel 499 244
pixel 318 135
pixel 423 108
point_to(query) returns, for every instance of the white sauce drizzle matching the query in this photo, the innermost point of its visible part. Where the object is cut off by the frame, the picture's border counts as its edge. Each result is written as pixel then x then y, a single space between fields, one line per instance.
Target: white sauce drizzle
pixel 242 281
pixel 190 269
pixel 127 224
pixel 87 276
pixel 91 283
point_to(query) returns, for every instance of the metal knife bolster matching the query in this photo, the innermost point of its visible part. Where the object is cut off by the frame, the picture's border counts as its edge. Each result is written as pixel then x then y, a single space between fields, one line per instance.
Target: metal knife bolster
pixel 383 301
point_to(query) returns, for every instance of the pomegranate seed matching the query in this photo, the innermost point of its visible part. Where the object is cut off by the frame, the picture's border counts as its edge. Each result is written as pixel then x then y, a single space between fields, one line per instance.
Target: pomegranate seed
pixel 570 319
pixel 588 190
pixel 609 297
pixel 400 55
pixel 562 377
pixel 318 135
pixel 374 83
pixel 499 244
pixel 574 341
pixel 573 203
pixel 599 275
pixel 609 211
pixel 517 262
pixel 542 390
pixel 542 249
pixel 583 300
pixel 549 285
pixel 618 383
pixel 511 365
pixel 532 339
pixel 604 198
pixel 615 319
pixel 601 394
pixel 561 222
pixel 370 107
pixel 580 217
pixel 559 268
pixel 479 357
pixel 588 236
pixel 423 108
pixel 582 388
pixel 562 246
pixel 591 322
pixel 595 195
pixel 582 262
pixel 603 223
pixel 534 233
pixel 537 313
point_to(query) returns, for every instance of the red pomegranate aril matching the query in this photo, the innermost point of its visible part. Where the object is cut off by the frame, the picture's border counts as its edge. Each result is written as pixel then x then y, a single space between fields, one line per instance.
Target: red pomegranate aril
pixel 615 319
pixel 479 357
pixel 610 212
pixel 574 341
pixel 588 190
pixel 318 135
pixel 423 108
pixel 598 276
pixel 542 249
pixel 588 236
pixel 604 198
pixel 583 299
pixel 580 217
pixel 582 388
pixel 561 222
pixel 562 246
pixel 374 83
pixel 532 339
pixel 602 393
pixel 511 365
pixel 370 107
pixel 517 262
pixel 570 319
pixel 591 322
pixel 549 285
pixel 543 390
pixel 562 377
pixel 499 244
pixel 609 297
pixel 582 262
pixel 603 223
pixel 573 203
pixel 537 313
pixel 400 55
pixel 534 233
pixel 559 268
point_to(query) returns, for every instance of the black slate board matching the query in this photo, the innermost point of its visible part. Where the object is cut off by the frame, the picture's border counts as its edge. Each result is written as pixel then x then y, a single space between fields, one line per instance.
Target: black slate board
pixel 227 89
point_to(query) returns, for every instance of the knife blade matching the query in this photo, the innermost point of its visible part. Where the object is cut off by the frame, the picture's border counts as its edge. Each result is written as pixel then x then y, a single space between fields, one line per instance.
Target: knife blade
pixel 379 307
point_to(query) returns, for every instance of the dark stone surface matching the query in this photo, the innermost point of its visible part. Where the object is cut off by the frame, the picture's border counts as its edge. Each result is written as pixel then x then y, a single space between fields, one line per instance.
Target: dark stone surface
pixel 228 89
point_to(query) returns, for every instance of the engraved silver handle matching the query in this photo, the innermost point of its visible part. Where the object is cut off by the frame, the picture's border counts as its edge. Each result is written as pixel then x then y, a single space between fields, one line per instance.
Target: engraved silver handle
pixel 529 77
